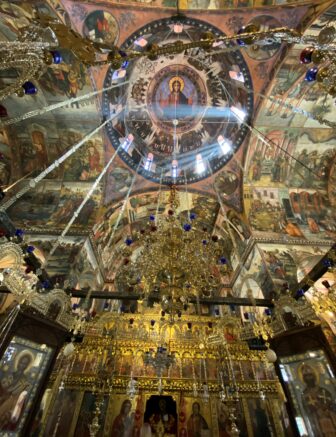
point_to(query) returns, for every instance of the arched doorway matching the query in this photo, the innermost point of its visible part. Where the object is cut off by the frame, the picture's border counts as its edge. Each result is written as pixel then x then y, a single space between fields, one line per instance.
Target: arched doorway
pixel 161 414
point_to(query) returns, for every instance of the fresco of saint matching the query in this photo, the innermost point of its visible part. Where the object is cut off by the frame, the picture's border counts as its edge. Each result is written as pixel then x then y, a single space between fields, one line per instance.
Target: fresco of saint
pixel 176 105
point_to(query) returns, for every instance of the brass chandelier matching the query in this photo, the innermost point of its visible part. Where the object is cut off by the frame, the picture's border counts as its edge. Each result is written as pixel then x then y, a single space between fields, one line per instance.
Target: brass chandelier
pixel 36 48
pixel 161 359
pixel 173 260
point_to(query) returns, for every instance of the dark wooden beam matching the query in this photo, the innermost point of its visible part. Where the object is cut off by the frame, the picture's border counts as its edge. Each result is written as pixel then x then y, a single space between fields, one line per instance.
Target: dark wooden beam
pixel 239 301
pixel 313 275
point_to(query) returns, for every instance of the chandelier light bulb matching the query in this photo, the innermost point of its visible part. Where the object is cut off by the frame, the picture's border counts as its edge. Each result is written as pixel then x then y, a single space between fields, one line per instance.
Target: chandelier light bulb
pixel 271 356
pixel 69 350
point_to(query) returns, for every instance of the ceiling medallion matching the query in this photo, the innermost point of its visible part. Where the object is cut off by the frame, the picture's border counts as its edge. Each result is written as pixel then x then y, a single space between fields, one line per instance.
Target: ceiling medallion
pixel 180 83
pixel 184 114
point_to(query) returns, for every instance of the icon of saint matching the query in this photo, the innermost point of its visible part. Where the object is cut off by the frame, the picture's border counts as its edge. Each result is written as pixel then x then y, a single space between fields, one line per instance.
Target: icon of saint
pixel 163 423
pixel 197 425
pixel 318 402
pixel 123 425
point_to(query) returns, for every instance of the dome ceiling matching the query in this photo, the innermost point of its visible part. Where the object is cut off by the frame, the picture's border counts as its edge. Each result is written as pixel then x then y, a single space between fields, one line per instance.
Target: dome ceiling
pixel 183 116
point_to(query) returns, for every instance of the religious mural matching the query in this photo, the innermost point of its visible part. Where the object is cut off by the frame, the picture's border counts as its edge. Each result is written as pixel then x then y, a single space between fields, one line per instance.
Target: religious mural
pixel 289 264
pixel 15 16
pixel 228 184
pixel 254 280
pixel 37 205
pixel 291 198
pixel 22 368
pixel 267 163
pixel 118 181
pixel 188 87
pixel 40 141
pixel 101 26
pixel 235 234
pixel 87 163
pixel 67 79
pixel 58 265
pixel 290 87
pixel 108 232
pixel 84 270
pixel 311 385
pixel 288 186
pixel 141 207
pixel 39 144
pixel 200 4
pixel 183 98
pixel 71 197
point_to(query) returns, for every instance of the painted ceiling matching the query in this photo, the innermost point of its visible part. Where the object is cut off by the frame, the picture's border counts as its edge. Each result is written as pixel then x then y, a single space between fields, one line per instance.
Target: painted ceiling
pixel 275 183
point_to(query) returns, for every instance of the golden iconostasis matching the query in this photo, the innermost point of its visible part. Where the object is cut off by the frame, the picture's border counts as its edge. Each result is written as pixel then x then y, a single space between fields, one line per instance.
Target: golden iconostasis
pixel 112 354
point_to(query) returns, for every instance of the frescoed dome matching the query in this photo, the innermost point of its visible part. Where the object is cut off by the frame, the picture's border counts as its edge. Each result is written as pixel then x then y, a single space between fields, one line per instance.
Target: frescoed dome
pixel 184 115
